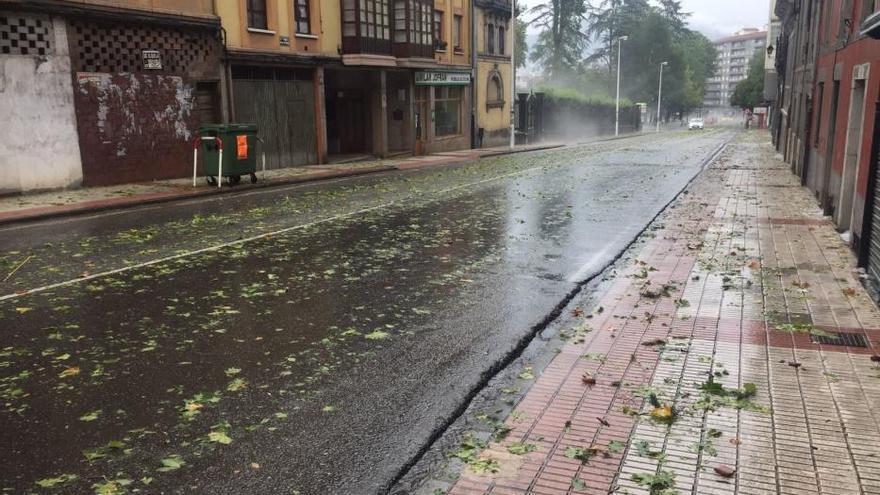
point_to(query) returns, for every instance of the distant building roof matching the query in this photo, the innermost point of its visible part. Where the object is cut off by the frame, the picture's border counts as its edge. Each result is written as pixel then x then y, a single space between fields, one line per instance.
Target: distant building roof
pixel 743 35
pixel 497 5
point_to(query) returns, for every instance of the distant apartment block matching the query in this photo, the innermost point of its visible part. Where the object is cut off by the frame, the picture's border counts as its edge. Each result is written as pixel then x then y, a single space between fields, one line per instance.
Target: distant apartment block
pixel 771 79
pixel 734 57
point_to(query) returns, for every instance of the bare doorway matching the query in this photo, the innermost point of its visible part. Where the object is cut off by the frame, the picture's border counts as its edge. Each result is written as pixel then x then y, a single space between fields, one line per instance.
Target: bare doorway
pixel 399 109
pixel 828 199
pixel 853 151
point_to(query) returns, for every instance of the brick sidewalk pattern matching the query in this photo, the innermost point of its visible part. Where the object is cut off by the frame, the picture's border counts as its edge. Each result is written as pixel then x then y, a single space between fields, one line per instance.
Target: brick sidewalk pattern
pixel 742 281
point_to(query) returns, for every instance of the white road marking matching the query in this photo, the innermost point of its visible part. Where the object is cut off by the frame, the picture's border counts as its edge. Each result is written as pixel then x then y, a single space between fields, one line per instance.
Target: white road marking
pixel 264 235
pixel 261 191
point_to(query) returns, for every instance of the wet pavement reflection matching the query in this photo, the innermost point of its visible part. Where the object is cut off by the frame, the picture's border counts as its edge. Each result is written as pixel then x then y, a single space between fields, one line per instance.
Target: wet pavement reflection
pixel 318 359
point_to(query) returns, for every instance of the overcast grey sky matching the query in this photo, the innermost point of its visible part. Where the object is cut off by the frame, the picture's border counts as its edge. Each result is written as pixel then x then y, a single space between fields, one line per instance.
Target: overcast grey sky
pixel 718 18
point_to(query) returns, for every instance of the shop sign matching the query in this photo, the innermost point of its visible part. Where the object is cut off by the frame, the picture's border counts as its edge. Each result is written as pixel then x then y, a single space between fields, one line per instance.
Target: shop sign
pixel 152 60
pixel 432 78
pixel 760 110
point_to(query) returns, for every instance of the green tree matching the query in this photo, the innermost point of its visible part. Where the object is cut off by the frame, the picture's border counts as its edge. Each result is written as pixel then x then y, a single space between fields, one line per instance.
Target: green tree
pixel 562 41
pixel 699 55
pixel 522 47
pixel 657 32
pixel 607 22
pixel 650 43
pixel 672 11
pixel 749 93
pixel 693 91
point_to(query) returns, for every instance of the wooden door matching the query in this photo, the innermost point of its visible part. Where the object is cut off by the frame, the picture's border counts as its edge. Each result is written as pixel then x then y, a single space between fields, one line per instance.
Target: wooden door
pixel 351 121
pixel 207 98
pixel 422 118
pixel 284 111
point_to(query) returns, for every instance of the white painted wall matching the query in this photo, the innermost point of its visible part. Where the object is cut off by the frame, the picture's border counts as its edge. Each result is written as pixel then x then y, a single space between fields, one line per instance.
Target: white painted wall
pixel 39 148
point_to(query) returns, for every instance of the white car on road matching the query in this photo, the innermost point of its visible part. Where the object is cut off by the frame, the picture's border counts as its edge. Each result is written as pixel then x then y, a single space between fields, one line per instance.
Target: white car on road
pixel 696 124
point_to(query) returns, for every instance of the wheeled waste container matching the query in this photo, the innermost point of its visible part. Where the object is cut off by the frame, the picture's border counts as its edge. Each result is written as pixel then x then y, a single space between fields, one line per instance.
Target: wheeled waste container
pixel 239 151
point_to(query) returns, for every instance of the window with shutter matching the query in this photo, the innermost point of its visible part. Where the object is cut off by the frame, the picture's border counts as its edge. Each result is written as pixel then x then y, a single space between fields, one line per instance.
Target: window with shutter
pixel 256 11
pixel 302 15
pixel 366 26
pixel 490 39
pixel 414 28
pixel 501 40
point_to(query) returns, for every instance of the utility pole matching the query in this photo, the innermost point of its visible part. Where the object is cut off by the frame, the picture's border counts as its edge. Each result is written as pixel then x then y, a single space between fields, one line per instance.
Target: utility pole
pixel 512 32
pixel 617 100
pixel 660 94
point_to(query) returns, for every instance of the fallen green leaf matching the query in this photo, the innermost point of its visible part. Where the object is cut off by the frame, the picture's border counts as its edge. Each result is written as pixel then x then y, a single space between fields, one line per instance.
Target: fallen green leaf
pixel 219 437
pixel 90 416
pixel 171 464
pixel 520 448
pixel 377 335
pixel 58 480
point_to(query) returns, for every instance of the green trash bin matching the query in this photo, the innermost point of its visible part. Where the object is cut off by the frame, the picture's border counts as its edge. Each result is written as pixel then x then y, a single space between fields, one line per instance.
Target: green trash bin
pixel 239 151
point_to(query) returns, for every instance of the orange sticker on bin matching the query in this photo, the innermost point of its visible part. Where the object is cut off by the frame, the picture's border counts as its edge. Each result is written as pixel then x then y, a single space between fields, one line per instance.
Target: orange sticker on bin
pixel 241 141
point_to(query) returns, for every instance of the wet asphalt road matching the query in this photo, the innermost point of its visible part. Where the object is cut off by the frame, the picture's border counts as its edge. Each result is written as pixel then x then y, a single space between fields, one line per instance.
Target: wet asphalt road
pixel 301 339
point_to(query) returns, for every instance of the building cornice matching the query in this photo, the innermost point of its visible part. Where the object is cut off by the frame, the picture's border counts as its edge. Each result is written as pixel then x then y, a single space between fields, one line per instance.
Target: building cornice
pixel 112 13
pixel 270 57
pixel 368 59
pixel 497 58
pixel 427 63
pixel 496 6
pixel 373 60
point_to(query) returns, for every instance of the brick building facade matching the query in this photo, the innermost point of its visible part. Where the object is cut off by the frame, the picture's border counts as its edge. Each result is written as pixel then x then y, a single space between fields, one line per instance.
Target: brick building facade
pixel 829 130
pixel 137 117
pixel 132 80
pixel 135 78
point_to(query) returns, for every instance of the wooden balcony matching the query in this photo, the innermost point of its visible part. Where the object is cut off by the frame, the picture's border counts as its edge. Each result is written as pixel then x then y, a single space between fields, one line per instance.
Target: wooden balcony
pixel 372 27
pixel 359 45
pixel 413 50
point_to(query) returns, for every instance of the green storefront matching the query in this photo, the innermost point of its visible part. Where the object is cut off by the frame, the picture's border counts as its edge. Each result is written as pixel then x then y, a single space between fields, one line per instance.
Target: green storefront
pixel 442 107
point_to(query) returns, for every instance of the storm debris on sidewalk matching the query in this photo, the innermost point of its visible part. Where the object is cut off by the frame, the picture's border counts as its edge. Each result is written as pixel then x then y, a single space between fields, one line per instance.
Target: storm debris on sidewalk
pixel 725 363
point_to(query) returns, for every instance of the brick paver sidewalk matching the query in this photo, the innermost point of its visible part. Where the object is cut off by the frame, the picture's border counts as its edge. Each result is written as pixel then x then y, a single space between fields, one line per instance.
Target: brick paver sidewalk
pixel 715 366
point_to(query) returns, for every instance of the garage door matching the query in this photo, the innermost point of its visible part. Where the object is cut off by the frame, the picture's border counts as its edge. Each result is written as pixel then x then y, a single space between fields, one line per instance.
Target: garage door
pixel 282 103
pixel 874 233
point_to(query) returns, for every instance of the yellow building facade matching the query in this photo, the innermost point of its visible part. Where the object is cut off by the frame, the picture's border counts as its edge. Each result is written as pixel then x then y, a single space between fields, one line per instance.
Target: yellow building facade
pixel 332 80
pixel 275 54
pixel 493 72
pixel 324 80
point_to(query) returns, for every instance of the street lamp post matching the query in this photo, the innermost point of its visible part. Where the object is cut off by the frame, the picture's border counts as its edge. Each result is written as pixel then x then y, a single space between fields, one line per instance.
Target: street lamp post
pixel 512 32
pixel 617 100
pixel 660 94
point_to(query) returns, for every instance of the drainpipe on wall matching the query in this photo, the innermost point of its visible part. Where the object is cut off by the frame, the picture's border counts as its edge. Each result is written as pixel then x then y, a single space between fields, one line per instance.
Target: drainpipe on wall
pixel 227 111
pixel 817 37
pixel 475 121
pixel 512 31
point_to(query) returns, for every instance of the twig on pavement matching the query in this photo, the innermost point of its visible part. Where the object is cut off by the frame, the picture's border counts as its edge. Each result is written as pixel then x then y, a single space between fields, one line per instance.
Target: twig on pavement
pixel 18 268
